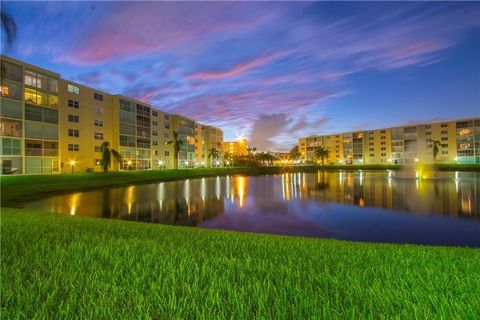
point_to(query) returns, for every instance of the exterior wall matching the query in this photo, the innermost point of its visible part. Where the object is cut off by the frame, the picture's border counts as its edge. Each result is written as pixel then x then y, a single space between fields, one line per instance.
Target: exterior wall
pixel 86 121
pixel 29 114
pixel 186 133
pixel 236 147
pixel 459 142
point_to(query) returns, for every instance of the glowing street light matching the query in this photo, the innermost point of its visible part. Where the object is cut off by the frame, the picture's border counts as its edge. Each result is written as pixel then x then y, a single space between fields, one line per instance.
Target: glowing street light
pixel 416 159
pixel 72 163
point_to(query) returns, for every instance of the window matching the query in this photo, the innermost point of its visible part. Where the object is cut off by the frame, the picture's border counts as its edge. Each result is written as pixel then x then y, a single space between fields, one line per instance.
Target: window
pixel 371 154
pixel 382 137
pixel 73 89
pixel 428 133
pixel 383 143
pixel 444 132
pixel 11 90
pixel 98 96
pixel 73 104
pixel 154 123
pixel 11 146
pixel 383 131
pixel 98 136
pixel 98 123
pixel 383 149
pixel 156 152
pixel 371 149
pixel 97 162
pixel 444 125
pixel 427 126
pixel 11 128
pixel 154 113
pixel 73 133
pixel 99 110
pixel 166 135
pixel 11 71
pixel 370 143
pixel 444 139
pixel 383 154
pixel 154 142
pixel 167 153
pixel 73 147
pixel 444 152
pixel 73 118
pixel 98 149
pixel 154 133
pixel 40 98
pixel 166 117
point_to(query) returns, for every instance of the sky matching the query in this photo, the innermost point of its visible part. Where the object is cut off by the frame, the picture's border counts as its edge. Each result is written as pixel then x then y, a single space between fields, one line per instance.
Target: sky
pixel 270 71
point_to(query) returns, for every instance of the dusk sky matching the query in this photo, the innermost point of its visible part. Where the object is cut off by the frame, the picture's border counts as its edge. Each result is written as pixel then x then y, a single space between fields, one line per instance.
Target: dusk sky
pixel 271 71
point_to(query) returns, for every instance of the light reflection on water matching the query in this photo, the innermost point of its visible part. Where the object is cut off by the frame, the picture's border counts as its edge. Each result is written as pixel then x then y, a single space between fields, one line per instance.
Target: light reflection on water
pixel 353 205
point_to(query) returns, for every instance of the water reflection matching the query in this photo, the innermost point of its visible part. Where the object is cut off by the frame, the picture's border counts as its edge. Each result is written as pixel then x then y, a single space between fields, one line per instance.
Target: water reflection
pixel 324 204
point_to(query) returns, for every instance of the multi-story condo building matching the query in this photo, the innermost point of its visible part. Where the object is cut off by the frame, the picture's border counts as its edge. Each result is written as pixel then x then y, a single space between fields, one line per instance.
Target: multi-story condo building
pixel 457 141
pixel 239 148
pixel 208 138
pixel 52 125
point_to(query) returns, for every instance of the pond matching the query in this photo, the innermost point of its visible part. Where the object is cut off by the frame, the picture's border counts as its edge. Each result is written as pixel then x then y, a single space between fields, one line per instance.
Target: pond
pixel 374 206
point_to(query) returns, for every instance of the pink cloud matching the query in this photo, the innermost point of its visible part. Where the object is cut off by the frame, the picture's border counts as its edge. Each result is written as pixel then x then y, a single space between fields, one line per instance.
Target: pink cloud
pixel 237 70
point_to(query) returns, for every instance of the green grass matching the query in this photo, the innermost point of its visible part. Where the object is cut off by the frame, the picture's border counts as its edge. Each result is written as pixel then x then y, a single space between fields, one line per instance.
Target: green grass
pixel 16 189
pixel 56 266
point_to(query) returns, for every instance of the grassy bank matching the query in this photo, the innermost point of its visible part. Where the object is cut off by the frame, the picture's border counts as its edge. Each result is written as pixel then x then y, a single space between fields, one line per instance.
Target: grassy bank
pixel 70 267
pixel 16 189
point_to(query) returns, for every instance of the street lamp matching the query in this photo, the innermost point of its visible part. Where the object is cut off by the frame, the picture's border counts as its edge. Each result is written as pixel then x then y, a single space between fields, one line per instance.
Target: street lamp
pixel 72 163
pixel 456 160
pixel 129 163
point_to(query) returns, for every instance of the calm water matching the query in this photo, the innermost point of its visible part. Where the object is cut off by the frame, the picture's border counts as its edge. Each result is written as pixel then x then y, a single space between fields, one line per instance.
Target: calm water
pixel 380 206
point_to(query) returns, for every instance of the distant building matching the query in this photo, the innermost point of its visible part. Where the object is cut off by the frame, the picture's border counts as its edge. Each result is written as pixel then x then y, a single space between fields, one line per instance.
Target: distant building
pixel 239 148
pixel 458 142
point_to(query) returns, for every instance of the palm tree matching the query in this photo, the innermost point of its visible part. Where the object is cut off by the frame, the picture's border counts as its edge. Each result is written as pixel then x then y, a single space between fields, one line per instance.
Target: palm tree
pixel 295 153
pixel 213 154
pixel 10 28
pixel 177 144
pixel 435 144
pixel 321 153
pixel 107 153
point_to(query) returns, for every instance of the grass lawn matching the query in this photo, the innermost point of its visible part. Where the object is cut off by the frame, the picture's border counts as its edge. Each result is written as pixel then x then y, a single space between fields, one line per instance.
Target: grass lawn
pixel 56 266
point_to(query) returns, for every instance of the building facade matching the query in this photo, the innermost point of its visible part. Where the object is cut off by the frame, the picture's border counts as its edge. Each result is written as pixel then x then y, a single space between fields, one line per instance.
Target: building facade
pixel 52 125
pixel 457 142
pixel 238 148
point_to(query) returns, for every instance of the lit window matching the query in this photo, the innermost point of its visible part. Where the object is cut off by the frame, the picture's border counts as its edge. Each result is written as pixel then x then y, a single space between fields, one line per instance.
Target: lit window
pixel 98 136
pixel 73 89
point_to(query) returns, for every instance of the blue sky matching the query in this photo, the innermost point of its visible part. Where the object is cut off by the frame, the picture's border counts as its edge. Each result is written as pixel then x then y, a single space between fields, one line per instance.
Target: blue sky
pixel 273 71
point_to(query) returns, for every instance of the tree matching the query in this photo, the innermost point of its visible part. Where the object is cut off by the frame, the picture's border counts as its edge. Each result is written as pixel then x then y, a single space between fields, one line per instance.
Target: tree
pixel 107 153
pixel 177 144
pixel 321 153
pixel 213 154
pixel 295 153
pixel 9 27
pixel 435 144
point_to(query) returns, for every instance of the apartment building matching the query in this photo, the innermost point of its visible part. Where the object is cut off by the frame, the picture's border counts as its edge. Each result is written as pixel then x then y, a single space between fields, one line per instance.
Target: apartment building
pixel 239 148
pixel 458 141
pixel 208 138
pixel 52 125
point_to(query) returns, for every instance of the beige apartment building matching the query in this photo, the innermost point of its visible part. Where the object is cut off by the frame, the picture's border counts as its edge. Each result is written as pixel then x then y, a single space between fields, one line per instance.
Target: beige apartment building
pixel 458 141
pixel 52 125
pixel 239 148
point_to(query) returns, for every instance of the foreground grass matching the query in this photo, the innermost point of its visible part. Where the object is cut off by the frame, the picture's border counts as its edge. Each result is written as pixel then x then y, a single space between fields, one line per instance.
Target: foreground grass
pixel 18 189
pixel 69 267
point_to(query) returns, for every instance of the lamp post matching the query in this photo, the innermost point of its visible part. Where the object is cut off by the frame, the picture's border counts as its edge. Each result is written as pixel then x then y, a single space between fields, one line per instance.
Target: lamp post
pixel 72 164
